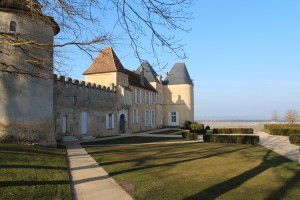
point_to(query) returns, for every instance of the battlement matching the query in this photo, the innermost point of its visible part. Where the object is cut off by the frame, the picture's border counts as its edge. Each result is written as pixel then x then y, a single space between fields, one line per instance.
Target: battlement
pixel 75 82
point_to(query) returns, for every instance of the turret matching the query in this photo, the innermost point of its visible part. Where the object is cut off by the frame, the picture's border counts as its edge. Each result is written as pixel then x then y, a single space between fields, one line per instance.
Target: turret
pixel 26 85
pixel 178 96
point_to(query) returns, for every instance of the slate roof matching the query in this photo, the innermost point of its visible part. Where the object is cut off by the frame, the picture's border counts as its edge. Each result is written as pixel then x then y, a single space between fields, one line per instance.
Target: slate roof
pixel 178 75
pixel 106 61
pixel 149 72
pixel 19 4
pixel 135 80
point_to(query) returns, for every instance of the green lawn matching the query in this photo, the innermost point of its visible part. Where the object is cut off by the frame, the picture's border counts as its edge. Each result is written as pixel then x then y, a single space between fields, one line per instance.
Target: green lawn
pixel 169 132
pixel 134 140
pixel 200 171
pixel 29 172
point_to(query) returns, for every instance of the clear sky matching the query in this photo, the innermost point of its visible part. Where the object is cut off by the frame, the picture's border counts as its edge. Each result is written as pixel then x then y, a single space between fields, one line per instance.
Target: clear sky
pixel 243 55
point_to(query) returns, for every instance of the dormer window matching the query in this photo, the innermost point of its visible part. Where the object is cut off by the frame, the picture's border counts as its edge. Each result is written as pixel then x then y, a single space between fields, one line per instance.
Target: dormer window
pixel 13 26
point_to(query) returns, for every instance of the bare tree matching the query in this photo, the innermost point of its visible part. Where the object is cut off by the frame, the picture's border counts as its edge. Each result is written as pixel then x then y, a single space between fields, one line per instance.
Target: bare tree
pixel 275 116
pixel 291 116
pixel 83 24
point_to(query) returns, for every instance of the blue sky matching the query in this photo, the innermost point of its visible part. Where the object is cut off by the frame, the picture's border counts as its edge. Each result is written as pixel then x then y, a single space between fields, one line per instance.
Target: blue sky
pixel 244 58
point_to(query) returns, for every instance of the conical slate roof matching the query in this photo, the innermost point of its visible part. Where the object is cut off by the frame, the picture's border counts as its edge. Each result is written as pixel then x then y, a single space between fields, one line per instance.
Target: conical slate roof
pixel 107 61
pixel 149 72
pixel 178 75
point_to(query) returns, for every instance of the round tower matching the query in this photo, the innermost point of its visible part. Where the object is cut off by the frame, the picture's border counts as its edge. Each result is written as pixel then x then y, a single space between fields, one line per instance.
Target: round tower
pixel 178 96
pixel 26 71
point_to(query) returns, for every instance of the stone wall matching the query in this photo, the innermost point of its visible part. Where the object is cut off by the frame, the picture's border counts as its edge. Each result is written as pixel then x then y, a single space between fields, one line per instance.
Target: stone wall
pixel 72 98
pixel 26 102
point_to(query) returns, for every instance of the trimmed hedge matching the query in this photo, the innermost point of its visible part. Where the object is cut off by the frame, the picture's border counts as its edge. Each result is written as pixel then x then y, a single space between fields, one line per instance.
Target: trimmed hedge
pixel 196 126
pixel 233 131
pixel 198 131
pixel 187 135
pixel 237 139
pixel 270 126
pixel 294 138
pixel 284 131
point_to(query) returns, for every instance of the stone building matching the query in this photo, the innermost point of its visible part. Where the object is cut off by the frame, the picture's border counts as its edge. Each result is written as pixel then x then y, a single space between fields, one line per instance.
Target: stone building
pixel 111 100
pixel 26 100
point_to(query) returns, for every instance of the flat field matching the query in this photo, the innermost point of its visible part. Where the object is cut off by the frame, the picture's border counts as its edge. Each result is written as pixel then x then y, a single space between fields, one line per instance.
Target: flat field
pixel 200 171
pixel 28 172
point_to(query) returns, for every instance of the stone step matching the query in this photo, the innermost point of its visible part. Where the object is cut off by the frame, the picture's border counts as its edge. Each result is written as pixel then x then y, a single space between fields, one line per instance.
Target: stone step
pixel 88 137
pixel 69 138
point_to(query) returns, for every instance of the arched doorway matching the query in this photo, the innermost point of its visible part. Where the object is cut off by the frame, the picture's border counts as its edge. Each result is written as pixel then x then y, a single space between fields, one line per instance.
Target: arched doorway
pixel 122 123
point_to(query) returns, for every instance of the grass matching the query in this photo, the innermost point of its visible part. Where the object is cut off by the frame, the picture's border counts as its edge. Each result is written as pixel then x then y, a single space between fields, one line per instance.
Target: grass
pixel 29 172
pixel 133 140
pixel 169 132
pixel 200 171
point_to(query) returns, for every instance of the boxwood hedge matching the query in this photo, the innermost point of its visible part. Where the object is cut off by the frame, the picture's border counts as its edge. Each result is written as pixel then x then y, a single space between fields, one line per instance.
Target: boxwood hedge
pixel 284 131
pixel 295 138
pixel 237 138
pixel 233 131
pixel 186 134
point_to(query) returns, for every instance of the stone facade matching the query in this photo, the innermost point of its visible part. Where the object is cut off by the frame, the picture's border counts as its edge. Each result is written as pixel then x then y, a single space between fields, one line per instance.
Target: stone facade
pixel 112 100
pixel 26 102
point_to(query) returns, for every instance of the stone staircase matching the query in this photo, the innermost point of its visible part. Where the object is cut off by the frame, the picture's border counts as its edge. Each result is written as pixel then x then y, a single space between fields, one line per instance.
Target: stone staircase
pixel 68 138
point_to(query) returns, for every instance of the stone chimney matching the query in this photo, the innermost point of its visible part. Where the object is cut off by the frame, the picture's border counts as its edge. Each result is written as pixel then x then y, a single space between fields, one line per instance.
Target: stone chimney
pixel 142 76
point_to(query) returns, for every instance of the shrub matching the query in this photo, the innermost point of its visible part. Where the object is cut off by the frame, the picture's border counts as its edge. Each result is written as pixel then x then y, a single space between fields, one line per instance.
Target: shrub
pixel 294 138
pixel 187 135
pixel 187 125
pixel 233 131
pixel 238 139
pixel 284 131
pixel 196 126
pixel 207 127
pixel 199 131
pixel 270 126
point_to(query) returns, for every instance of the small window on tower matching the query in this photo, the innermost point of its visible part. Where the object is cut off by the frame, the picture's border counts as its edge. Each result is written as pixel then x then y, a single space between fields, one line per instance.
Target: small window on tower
pixel 13 26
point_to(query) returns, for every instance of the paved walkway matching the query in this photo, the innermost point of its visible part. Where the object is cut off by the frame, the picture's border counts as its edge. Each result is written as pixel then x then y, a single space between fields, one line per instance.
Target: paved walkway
pixel 279 144
pixel 89 181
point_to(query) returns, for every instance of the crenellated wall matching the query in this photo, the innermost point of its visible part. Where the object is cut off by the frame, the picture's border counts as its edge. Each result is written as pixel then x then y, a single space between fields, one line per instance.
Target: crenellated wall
pixel 72 98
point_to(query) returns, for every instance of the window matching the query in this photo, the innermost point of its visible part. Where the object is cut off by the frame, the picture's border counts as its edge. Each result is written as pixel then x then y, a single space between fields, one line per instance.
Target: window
pixel 153 119
pixel 135 116
pixel 146 97
pixel 110 120
pixel 74 100
pixel 147 118
pixel 153 99
pixel 173 115
pixel 13 26
pixel 137 96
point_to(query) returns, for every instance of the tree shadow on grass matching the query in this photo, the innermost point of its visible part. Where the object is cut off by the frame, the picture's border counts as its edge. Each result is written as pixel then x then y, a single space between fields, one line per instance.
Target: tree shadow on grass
pixel 226 186
pixel 173 163
pixel 172 151
pixel 280 193
pixel 33 183
pixel 32 167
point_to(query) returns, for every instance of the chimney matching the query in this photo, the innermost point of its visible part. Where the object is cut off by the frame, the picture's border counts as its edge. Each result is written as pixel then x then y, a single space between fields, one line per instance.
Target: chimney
pixel 142 76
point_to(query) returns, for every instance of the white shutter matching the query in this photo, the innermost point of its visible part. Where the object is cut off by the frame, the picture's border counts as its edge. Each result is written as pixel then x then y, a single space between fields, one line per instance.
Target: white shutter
pixel 107 121
pixel 133 116
pixel 113 121
pixel 145 118
pixel 177 118
pixel 137 116
pixel 169 118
